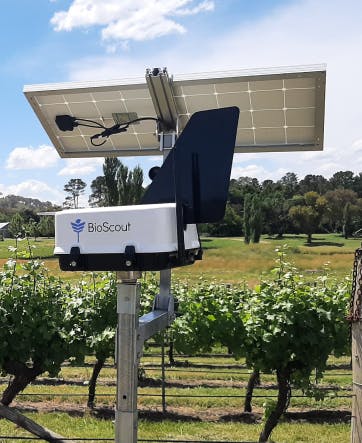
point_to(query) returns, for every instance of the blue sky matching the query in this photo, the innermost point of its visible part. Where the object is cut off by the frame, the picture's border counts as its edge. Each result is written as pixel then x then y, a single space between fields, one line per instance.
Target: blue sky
pixel 48 41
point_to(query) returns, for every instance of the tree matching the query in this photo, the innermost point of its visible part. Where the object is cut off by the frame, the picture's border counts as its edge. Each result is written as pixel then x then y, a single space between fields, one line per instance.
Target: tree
pixel 118 186
pixel 74 188
pixel 342 179
pixel 253 218
pixel 307 215
pixel 46 226
pixel 32 229
pixel 275 209
pixel 357 185
pixel 235 195
pixel 16 226
pixel 247 227
pixel 314 183
pixel 137 187
pixel 98 197
pixel 29 215
pixel 231 225
pixel 352 218
pixel 347 220
pixel 256 218
pixel 337 201
pixel 289 184
pixel 129 184
pixel 269 187
pixel 110 169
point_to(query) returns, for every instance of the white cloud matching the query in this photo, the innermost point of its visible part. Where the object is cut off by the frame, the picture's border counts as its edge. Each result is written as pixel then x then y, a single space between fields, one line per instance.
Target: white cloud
pixel 257 171
pixel 301 32
pixel 128 19
pixel 79 167
pixel 33 189
pixel 275 165
pixel 32 158
pixel 201 7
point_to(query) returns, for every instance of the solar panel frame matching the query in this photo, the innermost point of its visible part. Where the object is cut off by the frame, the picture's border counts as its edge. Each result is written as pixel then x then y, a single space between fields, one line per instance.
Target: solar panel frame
pixel 319 77
pixel 35 94
pixel 264 113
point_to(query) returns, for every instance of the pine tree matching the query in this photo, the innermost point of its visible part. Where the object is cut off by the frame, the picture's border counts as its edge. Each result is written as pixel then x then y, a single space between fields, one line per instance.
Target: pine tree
pixel 75 187
pixel 110 168
pixel 247 227
pixel 256 218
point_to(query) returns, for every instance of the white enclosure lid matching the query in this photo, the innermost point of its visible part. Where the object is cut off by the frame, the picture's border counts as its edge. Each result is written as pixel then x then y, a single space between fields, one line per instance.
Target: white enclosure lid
pixel 109 230
pixel 281 109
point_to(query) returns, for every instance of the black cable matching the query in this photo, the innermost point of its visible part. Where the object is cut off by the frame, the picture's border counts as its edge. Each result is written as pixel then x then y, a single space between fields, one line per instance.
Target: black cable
pixel 95 124
pixel 68 123
pixel 97 144
pixel 115 129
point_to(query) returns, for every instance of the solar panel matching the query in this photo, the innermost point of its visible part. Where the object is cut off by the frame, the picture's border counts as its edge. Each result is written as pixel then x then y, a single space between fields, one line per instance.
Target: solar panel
pixel 279 111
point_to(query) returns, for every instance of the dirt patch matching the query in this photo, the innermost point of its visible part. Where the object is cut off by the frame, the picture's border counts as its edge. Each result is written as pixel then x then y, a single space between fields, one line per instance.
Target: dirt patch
pixel 189 414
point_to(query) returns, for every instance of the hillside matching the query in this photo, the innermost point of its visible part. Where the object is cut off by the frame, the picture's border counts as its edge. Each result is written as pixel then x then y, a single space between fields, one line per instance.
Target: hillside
pixel 9 204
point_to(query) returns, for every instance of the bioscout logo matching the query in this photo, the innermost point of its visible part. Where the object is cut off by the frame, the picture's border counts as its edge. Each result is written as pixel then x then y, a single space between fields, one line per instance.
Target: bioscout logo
pixel 78 227
pixel 108 227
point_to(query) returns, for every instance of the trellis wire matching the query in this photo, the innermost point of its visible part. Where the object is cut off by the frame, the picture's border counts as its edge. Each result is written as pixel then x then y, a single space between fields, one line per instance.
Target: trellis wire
pixel 42 394
pixel 197 370
pixel 7 437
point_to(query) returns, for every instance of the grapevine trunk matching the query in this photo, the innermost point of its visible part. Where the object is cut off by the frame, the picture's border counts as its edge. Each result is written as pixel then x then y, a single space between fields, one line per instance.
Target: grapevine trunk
pixel 283 376
pixel 23 375
pixel 254 380
pixel 93 381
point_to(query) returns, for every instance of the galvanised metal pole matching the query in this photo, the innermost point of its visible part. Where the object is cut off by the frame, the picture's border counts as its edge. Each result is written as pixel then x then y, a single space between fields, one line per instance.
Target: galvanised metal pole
pixel 128 298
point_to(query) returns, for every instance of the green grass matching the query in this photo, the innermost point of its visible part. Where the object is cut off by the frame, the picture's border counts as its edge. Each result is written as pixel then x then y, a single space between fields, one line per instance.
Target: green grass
pixel 230 260
pixel 201 384
pixel 80 423
pixel 87 426
pixel 42 248
pixel 197 398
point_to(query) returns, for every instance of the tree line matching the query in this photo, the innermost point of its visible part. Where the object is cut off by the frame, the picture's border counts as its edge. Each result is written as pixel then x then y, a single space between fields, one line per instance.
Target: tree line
pixel 313 204
pixel 22 213
pixel 289 205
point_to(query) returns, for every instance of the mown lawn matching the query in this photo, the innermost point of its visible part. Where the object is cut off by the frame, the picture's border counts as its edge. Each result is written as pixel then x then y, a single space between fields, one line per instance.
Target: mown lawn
pixel 230 260
pixel 91 427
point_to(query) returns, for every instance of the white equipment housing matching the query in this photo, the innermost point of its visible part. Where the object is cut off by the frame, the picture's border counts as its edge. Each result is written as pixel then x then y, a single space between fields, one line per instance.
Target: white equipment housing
pixel 136 237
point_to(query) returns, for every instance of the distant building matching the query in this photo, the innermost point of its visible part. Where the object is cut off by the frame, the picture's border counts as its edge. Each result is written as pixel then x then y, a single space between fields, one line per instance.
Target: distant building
pixel 3 230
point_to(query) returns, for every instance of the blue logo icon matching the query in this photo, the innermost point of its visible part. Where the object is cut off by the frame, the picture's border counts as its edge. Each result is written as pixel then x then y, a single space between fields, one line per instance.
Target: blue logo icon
pixel 78 227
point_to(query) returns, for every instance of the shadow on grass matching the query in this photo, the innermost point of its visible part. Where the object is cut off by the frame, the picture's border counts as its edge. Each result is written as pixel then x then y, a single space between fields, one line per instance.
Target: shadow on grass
pixel 320 242
pixel 323 243
pixel 155 416
pixel 107 413
pixel 320 416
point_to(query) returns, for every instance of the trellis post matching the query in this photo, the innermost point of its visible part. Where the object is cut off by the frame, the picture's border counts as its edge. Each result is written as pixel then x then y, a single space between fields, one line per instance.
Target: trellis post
pixel 356 332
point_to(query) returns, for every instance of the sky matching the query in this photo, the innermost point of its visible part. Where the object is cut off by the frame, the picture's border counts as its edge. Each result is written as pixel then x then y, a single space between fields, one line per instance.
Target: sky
pixel 46 41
